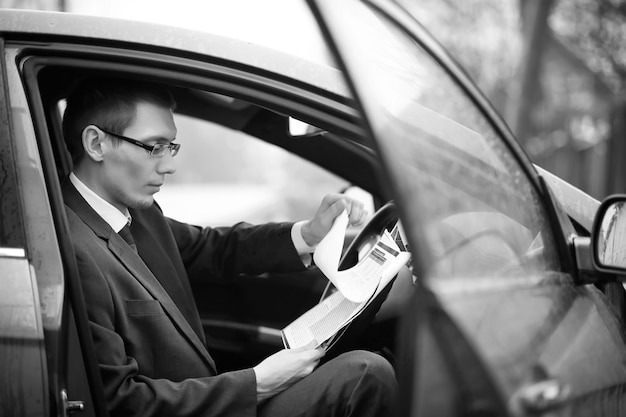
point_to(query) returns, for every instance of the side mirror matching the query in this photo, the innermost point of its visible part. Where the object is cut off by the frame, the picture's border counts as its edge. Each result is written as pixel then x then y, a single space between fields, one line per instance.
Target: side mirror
pixel 608 236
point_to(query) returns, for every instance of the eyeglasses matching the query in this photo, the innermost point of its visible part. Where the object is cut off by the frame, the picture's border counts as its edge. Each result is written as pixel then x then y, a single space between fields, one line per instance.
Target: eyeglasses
pixel 158 150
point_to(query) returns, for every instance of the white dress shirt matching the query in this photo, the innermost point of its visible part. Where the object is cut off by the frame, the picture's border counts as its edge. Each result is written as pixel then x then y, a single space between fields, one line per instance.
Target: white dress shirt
pixel 115 218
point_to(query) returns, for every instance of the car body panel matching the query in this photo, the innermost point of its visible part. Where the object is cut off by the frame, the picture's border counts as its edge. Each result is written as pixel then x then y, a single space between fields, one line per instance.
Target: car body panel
pixel 49 26
pixel 41 238
pixel 566 333
pixel 580 206
pixel 23 380
pixel 22 313
pixel 36 203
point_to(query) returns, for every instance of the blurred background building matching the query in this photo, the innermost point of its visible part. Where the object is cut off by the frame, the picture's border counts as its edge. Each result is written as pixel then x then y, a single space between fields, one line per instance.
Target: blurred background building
pixel 555 69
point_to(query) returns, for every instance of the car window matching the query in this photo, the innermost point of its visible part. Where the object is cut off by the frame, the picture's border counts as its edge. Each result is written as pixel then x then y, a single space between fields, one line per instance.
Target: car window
pixel 468 201
pixel 224 176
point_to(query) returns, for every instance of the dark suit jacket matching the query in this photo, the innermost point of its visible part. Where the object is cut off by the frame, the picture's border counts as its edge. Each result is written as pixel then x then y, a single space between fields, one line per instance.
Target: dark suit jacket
pixel 145 326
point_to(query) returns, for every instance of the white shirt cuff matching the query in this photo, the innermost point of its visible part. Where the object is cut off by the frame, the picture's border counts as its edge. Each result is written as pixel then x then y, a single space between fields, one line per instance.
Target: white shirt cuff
pixel 303 249
pixel 298 241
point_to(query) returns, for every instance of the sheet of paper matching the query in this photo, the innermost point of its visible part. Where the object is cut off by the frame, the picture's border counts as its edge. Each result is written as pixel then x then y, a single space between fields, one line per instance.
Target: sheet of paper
pixel 323 321
pixel 328 251
pixel 359 282
pixel 356 286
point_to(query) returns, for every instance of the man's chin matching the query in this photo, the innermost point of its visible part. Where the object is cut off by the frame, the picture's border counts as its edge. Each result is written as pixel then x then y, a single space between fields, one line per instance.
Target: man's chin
pixel 142 204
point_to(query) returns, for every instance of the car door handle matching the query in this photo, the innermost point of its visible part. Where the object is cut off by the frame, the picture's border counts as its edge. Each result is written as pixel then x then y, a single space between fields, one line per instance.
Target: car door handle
pixel 70 407
pixel 542 395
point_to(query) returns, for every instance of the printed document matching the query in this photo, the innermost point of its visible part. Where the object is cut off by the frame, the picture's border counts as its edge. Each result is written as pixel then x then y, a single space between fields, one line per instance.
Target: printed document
pixel 356 286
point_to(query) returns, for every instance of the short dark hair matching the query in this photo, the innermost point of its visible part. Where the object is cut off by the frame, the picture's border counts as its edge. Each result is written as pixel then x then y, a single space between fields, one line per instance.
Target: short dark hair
pixel 109 103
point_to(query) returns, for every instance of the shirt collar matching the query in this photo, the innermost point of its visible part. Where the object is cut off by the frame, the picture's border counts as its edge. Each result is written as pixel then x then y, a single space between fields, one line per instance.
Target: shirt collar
pixel 110 214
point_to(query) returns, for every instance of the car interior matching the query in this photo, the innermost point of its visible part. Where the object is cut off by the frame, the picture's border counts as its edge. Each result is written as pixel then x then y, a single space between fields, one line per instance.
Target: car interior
pixel 242 318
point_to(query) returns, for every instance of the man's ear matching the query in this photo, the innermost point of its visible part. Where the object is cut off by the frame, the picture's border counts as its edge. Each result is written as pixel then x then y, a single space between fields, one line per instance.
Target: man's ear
pixel 93 139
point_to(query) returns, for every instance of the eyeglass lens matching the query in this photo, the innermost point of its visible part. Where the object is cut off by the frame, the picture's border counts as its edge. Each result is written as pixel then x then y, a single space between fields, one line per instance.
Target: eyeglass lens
pixel 159 149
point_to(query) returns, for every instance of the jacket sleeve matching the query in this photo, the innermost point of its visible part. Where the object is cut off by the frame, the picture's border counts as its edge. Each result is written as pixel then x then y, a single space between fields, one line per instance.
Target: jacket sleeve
pixel 242 248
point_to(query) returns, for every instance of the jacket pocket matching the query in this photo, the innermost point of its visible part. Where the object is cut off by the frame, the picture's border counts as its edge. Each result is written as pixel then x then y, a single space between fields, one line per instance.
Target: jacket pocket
pixel 143 308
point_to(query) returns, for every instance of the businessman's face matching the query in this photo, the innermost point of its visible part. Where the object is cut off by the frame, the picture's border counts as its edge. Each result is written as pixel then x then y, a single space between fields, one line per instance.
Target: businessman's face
pixel 133 176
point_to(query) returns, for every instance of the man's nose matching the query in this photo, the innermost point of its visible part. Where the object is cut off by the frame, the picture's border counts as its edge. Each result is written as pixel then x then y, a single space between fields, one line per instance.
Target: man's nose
pixel 167 165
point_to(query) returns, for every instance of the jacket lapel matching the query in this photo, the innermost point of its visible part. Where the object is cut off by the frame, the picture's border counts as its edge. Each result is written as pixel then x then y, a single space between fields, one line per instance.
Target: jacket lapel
pixel 157 258
pixel 134 264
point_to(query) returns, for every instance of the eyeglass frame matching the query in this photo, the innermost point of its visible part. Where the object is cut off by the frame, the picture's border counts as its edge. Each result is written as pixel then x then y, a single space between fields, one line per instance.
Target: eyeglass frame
pixel 173 147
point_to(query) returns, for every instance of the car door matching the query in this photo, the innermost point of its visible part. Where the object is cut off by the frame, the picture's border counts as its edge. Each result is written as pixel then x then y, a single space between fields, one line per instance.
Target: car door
pixel 498 324
pixel 23 384
pixel 38 332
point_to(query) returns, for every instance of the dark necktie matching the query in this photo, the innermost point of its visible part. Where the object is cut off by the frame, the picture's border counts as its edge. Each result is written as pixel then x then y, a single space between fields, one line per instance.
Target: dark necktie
pixel 128 237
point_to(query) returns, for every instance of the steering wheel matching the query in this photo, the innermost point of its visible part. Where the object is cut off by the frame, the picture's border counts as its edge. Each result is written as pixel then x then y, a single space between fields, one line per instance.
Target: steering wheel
pixel 384 218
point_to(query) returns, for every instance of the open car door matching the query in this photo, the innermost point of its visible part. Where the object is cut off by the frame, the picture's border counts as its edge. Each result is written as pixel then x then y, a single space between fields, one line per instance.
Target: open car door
pixel 439 370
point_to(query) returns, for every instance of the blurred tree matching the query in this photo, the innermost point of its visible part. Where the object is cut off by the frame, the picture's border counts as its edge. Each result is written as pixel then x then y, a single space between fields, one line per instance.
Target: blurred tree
pixel 523 92
pixel 483 35
pixel 596 30
pixel 557 69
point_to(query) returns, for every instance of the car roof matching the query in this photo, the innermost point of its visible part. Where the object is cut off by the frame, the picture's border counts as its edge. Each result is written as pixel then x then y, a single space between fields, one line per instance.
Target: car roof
pixel 315 68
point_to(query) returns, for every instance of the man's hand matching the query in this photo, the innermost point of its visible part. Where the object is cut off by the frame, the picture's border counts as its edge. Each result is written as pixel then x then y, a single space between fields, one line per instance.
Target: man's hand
pixel 283 369
pixel 314 230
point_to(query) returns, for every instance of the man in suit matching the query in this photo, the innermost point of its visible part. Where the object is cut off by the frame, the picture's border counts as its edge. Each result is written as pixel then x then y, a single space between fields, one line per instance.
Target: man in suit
pixel 135 266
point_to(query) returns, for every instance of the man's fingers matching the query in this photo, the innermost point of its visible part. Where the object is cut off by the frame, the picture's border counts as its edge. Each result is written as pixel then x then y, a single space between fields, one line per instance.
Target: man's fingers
pixel 314 230
pixel 311 345
pixel 319 353
pixel 309 369
pixel 311 352
pixel 356 212
pixel 336 208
